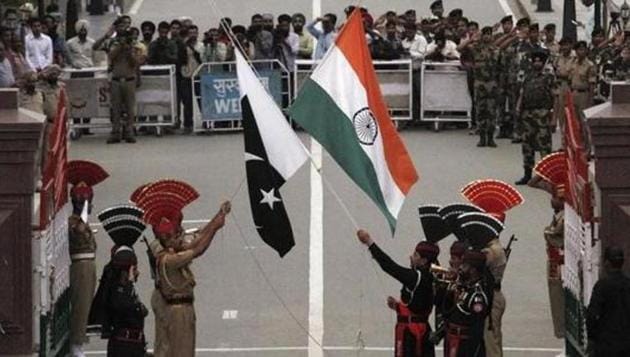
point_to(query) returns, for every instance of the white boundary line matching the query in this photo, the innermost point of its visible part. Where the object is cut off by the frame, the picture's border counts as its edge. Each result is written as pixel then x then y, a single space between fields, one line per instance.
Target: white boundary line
pixel 135 7
pixel 504 5
pixel 330 348
pixel 316 258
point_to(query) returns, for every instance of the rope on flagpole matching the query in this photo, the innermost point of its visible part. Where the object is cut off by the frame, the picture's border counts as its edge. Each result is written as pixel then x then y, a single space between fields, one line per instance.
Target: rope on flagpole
pixel 272 287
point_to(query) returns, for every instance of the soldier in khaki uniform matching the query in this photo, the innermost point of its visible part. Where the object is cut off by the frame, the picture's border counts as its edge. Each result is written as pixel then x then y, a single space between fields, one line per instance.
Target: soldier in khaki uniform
pixel 82 175
pixel 583 77
pixel 125 57
pixel 562 65
pixel 173 298
pixel 551 176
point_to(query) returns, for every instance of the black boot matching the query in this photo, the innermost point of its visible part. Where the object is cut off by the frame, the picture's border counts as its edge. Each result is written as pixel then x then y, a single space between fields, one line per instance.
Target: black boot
pixel 526 177
pixel 491 142
pixel 482 139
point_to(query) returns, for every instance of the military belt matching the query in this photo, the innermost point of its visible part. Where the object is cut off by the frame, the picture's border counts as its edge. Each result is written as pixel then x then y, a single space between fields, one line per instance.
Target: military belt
pixel 412 319
pixel 82 256
pixel 180 301
pixel 459 330
pixel 130 335
pixel 123 79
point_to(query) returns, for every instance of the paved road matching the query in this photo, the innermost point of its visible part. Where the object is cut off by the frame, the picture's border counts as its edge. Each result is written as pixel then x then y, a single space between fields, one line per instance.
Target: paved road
pixel 354 290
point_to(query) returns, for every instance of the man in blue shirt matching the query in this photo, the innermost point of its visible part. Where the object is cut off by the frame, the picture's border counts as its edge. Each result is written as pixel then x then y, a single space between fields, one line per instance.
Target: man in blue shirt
pixel 326 36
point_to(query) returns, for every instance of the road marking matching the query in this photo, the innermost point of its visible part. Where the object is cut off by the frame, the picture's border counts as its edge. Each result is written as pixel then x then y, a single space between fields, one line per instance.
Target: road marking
pixel 316 257
pixel 328 348
pixel 230 314
pixel 135 7
pixel 504 5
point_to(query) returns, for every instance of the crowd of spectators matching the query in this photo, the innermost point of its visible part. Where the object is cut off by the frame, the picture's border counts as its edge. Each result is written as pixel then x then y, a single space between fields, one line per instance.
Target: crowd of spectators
pixel 30 44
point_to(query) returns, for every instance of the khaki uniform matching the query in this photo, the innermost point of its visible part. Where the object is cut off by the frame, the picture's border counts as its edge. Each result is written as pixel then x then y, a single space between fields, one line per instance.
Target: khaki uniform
pixel 554 236
pixel 496 262
pixel 124 60
pixel 82 277
pixel 172 303
pixel 583 76
pixel 562 67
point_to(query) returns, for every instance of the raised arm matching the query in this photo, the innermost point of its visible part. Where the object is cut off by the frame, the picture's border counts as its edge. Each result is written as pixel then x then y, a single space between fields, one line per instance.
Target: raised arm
pixel 405 276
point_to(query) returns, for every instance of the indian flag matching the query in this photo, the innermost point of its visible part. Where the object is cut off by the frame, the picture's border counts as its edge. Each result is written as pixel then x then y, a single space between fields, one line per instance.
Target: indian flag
pixel 341 107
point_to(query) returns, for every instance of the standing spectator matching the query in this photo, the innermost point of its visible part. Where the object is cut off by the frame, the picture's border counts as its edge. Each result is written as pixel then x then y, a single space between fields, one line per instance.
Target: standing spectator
pixel 534 38
pixel 241 38
pixel 549 42
pixel 583 77
pixel 148 30
pixel 39 47
pixel 388 47
pixel 608 313
pixel 11 21
pixel 225 45
pixel 163 50
pixel 442 49
pixel 14 51
pixel 59 44
pixel 124 58
pixel 326 36
pixel 80 52
pixel 306 40
pixel 262 39
pixel 193 60
pixel 212 51
pixel 27 12
pixel 81 55
pixel 267 22
pixel 6 71
pixel 414 47
pixel 286 43
pixel 176 27
pixel 437 10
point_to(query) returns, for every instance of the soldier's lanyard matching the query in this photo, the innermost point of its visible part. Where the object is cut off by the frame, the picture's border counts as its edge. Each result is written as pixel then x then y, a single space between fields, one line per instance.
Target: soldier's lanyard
pixel 168 281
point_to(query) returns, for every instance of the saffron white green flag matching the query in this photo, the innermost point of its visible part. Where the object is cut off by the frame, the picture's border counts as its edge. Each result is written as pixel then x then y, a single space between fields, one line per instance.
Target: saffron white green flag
pixel 341 107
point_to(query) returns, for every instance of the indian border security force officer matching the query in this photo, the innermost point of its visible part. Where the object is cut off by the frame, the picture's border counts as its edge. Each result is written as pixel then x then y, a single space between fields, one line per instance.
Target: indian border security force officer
pixel 416 296
pixel 172 301
pixel 83 175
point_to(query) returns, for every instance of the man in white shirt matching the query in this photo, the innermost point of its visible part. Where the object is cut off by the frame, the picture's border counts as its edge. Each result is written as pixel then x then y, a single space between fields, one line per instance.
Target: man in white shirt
pixel 80 52
pixel 38 47
pixel 286 43
pixel 415 45
pixel 442 49
pixel 6 71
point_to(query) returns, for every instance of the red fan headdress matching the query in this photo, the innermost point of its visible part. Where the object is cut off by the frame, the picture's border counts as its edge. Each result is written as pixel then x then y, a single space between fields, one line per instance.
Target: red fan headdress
pixel 493 196
pixel 186 192
pixel 162 202
pixel 135 195
pixel 553 169
pixel 82 175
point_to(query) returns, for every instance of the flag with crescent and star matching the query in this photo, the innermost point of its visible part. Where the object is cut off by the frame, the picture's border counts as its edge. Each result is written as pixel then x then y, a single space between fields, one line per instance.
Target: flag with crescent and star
pixel 273 153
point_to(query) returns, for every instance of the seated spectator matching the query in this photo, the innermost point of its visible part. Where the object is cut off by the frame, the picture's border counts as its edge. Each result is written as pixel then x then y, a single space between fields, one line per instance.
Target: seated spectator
pixel 442 49
pixel 38 46
pixel 6 71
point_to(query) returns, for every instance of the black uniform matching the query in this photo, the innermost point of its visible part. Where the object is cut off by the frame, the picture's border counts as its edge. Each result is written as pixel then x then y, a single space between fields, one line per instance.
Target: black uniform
pixel 465 315
pixel 608 316
pixel 416 295
pixel 126 316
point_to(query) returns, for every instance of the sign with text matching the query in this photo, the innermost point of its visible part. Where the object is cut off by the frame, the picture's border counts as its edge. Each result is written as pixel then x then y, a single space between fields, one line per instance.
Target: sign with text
pixel 220 95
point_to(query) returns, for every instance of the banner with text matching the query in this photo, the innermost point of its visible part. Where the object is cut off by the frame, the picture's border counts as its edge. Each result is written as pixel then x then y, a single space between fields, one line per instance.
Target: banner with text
pixel 220 95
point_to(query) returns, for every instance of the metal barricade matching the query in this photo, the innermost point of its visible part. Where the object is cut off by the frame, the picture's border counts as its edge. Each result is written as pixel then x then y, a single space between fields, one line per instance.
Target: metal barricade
pixel 395 79
pixel 216 92
pixel 444 95
pixel 89 96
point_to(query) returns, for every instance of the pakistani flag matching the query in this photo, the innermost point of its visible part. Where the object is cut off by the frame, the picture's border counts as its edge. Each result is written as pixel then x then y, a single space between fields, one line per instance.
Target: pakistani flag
pixel 273 153
pixel 341 106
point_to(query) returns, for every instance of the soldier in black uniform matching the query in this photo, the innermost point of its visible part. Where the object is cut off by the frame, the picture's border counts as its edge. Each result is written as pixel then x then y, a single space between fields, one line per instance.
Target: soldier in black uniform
pixel 468 304
pixel 608 314
pixel 416 296
pixel 116 308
